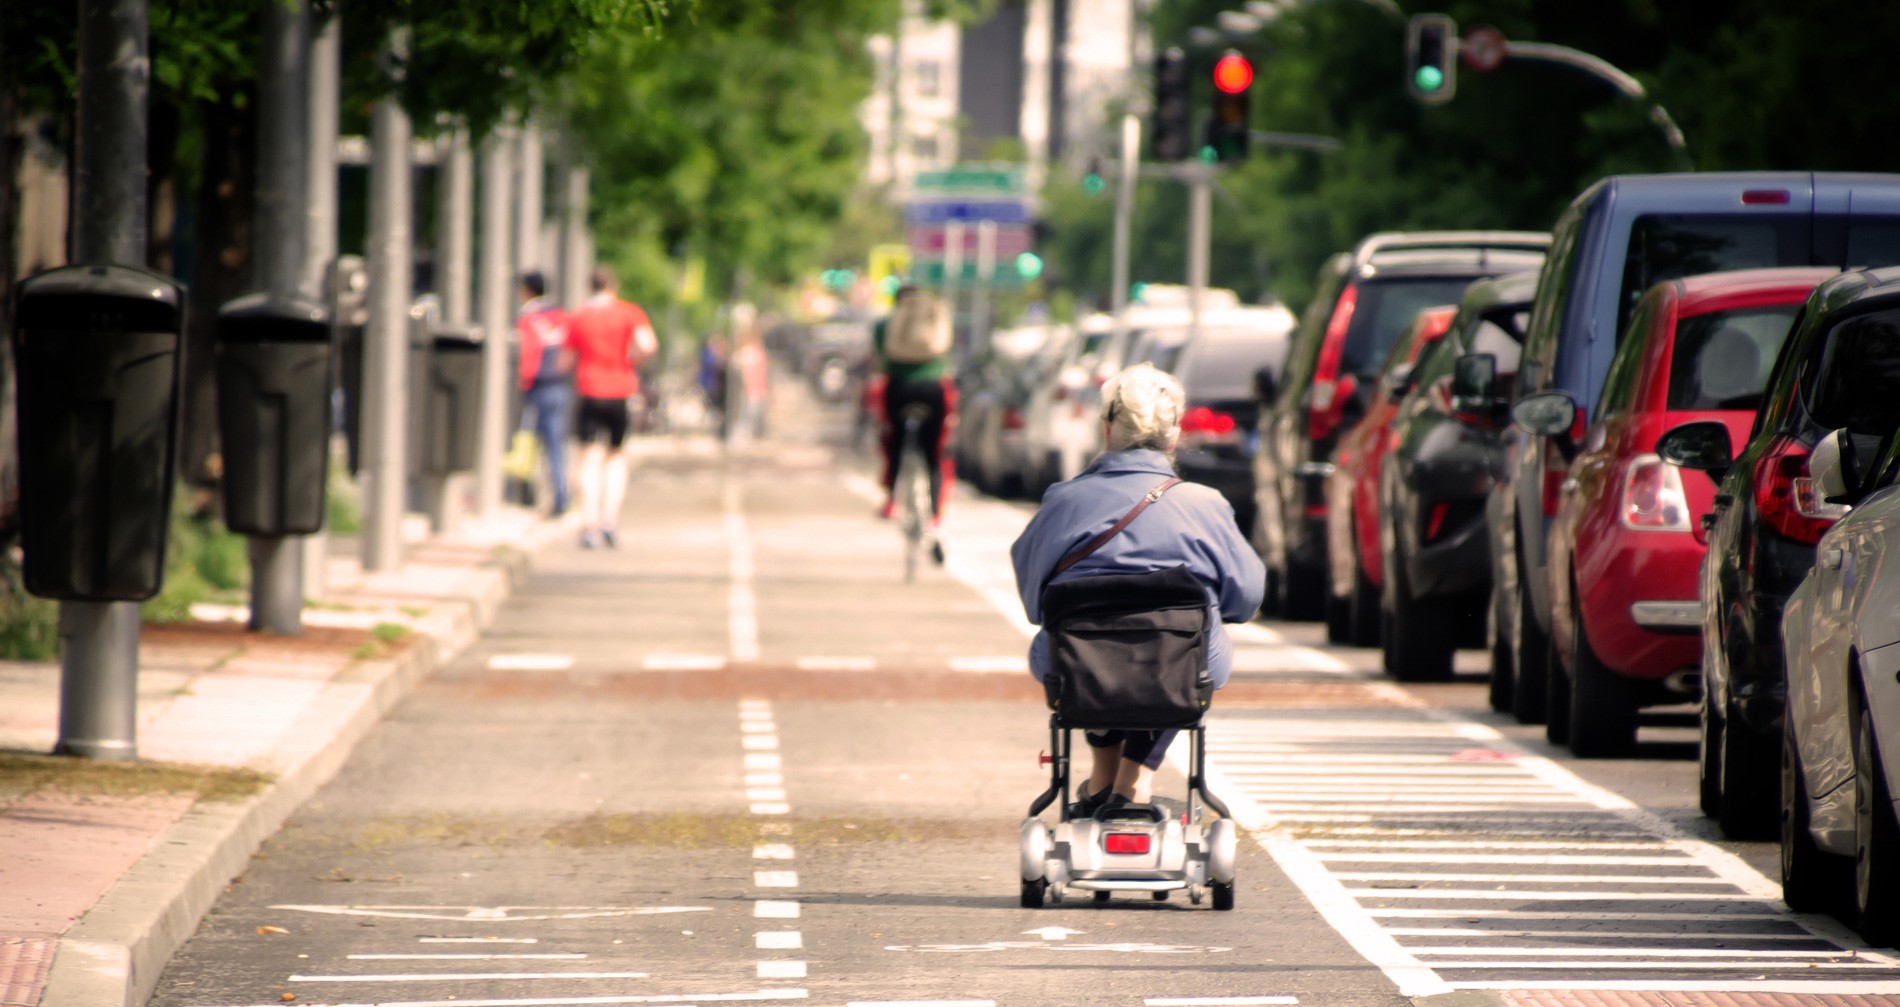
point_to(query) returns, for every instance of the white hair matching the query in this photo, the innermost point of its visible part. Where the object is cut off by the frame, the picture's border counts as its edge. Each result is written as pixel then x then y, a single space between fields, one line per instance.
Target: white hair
pixel 1142 407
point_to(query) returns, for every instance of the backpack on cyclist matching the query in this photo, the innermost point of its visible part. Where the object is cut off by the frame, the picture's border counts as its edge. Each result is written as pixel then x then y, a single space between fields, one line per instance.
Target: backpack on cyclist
pixel 919 330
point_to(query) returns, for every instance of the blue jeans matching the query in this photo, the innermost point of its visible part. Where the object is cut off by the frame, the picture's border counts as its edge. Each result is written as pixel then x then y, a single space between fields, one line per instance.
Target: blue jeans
pixel 551 404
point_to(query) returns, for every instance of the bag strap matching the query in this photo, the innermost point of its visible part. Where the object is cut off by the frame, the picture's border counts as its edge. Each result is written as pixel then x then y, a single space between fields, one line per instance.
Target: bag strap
pixel 1089 547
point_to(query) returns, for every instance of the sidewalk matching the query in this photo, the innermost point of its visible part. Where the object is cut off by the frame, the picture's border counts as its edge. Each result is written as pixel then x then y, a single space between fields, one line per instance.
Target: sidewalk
pixel 107 868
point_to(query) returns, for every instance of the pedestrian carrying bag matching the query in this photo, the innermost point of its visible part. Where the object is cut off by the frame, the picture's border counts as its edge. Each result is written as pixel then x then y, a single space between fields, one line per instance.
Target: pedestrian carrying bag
pixel 919 330
pixel 1127 651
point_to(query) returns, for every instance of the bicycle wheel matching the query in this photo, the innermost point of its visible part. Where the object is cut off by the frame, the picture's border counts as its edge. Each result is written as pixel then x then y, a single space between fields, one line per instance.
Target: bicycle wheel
pixel 913 489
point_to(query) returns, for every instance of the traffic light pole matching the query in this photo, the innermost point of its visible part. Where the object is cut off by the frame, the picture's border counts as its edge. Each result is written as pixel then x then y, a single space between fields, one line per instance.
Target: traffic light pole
pixel 985 275
pixel 1200 182
pixel 497 316
pixel 1604 70
pixel 99 640
pixel 386 349
pixel 1124 214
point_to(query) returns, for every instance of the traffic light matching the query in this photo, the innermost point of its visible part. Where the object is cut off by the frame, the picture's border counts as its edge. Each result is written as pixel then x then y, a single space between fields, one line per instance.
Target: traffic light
pixel 1092 182
pixel 1028 265
pixel 1227 128
pixel 1431 58
pixel 1170 130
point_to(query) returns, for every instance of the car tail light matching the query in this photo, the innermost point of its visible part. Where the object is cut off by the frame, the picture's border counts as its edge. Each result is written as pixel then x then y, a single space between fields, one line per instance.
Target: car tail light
pixel 1765 197
pixel 1435 523
pixel 1330 393
pixel 1786 498
pixel 1202 425
pixel 1653 499
pixel 1012 420
pixel 1126 842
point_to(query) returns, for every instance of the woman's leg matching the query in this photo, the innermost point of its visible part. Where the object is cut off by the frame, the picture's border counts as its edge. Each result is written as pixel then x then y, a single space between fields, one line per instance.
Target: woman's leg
pixel 1141 753
pixel 1105 749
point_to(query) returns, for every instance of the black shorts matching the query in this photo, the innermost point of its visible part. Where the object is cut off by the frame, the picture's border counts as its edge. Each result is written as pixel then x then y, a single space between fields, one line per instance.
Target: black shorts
pixel 602 419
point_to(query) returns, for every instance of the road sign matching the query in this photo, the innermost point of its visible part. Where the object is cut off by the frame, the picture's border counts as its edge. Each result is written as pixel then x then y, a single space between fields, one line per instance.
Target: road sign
pixel 1002 211
pixel 1482 48
pixel 991 180
pixel 928 241
pixel 1004 276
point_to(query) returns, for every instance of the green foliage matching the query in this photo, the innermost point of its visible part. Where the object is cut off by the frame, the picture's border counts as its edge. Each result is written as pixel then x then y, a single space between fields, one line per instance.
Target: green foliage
pixel 29 626
pixel 202 559
pixel 735 138
pixel 202 50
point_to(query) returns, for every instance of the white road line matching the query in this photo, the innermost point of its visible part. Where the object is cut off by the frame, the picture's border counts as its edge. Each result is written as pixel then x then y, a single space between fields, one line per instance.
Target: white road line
pixel 683 662
pixel 1809 986
pixel 1564 896
pixel 771 909
pixel 1633 935
pixel 1547 860
pixel 781 970
pixel 762 760
pixel 823 663
pixel 772 851
pixel 1669 965
pixel 778 940
pixel 1535 914
pixel 531 662
pixel 765 793
pixel 775 879
pixel 649 998
pixel 765 779
pixel 742 602
pixel 760 712
pixel 478 940
pixel 759 742
pixel 1215 1001
pixel 770 808
pixel 761 726
pixel 1456 844
pixel 462 958
pixel 455 977
pixel 999 665
pixel 1552 879
pixel 1637 952
pixel 920 1003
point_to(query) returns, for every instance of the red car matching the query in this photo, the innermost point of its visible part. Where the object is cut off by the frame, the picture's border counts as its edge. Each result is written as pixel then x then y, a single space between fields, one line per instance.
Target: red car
pixel 1352 490
pixel 1627 541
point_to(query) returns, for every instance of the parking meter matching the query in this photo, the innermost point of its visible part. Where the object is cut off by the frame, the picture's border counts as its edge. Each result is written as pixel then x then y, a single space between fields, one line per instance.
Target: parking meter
pixel 97 349
pixel 274 377
pixel 452 399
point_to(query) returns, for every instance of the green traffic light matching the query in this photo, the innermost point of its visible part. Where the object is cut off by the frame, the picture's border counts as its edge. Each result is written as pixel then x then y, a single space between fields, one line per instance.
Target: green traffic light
pixel 1136 290
pixel 1029 265
pixel 1093 184
pixel 889 285
pixel 1209 155
pixel 1429 78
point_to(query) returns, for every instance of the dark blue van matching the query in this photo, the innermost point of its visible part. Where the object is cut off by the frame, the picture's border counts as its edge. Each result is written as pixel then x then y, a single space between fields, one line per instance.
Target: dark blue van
pixel 1616 240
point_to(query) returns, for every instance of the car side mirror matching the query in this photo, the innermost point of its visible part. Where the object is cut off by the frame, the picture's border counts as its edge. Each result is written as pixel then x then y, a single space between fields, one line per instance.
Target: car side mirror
pixel 1547 414
pixel 1398 380
pixel 1835 469
pixel 1265 387
pixel 1702 445
pixel 1474 381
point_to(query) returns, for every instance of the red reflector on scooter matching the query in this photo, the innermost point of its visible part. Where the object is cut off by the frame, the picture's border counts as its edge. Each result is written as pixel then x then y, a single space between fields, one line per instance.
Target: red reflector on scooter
pixel 1126 842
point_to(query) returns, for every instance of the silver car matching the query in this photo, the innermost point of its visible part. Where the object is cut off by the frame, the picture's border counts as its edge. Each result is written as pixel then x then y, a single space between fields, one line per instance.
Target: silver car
pixel 1840 844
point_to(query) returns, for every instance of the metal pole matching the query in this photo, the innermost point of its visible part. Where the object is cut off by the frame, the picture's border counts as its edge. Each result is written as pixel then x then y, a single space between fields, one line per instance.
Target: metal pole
pixel 985 277
pixel 1124 212
pixel 497 317
pixel 528 206
pixel 386 350
pixel 1200 200
pixel 1609 73
pixel 952 267
pixel 456 225
pixel 282 186
pixel 320 217
pixel 99 641
pixel 573 249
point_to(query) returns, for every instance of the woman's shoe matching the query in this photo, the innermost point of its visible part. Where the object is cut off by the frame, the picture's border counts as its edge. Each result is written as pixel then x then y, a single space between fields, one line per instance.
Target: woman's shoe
pixel 1086 803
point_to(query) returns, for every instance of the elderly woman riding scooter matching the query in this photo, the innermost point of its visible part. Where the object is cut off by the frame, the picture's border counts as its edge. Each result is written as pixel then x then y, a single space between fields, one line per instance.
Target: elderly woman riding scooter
pixel 1087 527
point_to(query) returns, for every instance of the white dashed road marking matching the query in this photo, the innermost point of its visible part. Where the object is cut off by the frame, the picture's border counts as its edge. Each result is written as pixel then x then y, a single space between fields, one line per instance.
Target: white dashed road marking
pixel 766 796
pixel 531 662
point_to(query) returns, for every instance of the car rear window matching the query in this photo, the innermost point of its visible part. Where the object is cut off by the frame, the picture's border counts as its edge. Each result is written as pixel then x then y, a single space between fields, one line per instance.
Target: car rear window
pixel 1857 385
pixel 1384 309
pixel 1224 368
pixel 1721 359
pixel 1668 247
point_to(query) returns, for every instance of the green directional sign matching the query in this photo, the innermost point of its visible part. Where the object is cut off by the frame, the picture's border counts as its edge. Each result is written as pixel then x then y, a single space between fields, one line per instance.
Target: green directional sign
pixel 990 180
pixel 1006 275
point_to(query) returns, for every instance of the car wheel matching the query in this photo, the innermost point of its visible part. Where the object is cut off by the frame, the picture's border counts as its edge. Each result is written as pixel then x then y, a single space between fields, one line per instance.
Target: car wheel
pixel 1876 842
pixel 1530 658
pixel 1304 591
pixel 1421 633
pixel 1499 690
pixel 1362 621
pixel 1556 697
pixel 1812 880
pixel 1709 758
pixel 1602 703
pixel 1338 618
pixel 1748 804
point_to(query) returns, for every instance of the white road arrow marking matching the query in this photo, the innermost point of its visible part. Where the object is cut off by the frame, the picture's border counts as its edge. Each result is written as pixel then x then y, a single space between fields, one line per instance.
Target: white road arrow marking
pixel 1054 933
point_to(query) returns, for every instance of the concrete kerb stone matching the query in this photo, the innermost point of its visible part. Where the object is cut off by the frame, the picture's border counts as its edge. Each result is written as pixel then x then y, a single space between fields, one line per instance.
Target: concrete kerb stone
pixel 1464 998
pixel 117 951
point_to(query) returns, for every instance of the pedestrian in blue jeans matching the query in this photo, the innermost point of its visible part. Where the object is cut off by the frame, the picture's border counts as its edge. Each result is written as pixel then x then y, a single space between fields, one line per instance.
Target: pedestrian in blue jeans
pixel 547 377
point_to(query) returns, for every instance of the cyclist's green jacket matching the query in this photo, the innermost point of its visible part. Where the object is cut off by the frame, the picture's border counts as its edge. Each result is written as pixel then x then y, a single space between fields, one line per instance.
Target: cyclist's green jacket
pixel 929 372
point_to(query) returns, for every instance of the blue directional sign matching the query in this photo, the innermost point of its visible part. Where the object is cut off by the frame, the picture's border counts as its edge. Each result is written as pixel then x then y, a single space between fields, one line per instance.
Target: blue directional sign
pixel 966 211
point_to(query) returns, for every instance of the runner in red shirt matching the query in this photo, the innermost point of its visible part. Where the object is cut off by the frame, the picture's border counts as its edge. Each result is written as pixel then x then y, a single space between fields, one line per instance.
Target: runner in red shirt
pixel 610 339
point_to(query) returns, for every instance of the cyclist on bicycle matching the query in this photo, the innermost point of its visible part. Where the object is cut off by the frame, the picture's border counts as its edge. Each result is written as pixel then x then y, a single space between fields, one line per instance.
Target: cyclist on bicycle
pixel 1191 526
pixel 913 352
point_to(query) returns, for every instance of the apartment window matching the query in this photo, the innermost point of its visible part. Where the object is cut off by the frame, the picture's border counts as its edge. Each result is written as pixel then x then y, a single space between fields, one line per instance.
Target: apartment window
pixel 924 146
pixel 928 73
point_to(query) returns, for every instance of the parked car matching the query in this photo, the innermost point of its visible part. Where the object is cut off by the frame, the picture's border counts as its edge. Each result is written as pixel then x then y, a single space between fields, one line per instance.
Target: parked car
pixel 1627 541
pixel 1840 751
pixel 830 353
pixel 1363 300
pixel 1840 368
pixel 1446 448
pixel 1217 370
pixel 1061 430
pixel 1617 239
pixel 1353 516
pixel 992 389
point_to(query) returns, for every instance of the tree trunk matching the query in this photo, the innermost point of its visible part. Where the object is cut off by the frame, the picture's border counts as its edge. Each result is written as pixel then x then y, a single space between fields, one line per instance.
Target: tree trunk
pixel 221 270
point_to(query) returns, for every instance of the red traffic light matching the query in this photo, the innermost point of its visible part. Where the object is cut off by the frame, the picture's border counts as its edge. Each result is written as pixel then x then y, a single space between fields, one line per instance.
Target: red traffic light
pixel 1232 73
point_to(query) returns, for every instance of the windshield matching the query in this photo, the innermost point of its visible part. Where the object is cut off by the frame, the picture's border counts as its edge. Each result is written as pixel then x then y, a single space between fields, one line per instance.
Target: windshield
pixel 1384 309
pixel 1224 369
pixel 1859 369
pixel 1721 359
pixel 1673 246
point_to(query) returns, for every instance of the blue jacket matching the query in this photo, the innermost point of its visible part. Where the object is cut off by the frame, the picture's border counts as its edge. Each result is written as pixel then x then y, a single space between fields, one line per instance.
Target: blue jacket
pixel 1192 526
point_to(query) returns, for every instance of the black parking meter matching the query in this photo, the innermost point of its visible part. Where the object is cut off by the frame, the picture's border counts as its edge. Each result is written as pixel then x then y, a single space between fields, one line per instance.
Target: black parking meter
pixel 274 363
pixel 452 399
pixel 98 351
pixel 349 382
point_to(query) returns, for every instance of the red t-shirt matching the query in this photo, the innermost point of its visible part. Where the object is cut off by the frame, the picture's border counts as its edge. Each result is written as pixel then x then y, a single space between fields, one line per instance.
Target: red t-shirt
pixel 610 337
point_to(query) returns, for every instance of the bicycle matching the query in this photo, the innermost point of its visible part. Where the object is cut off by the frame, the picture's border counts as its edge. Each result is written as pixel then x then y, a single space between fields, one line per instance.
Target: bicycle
pixel 912 490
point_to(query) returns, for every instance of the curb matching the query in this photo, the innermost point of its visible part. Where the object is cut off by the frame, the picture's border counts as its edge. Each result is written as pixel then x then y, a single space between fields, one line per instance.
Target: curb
pixel 118 949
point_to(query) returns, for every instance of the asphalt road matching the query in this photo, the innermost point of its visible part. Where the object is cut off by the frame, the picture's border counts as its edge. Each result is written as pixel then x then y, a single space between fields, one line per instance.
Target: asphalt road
pixel 738 760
